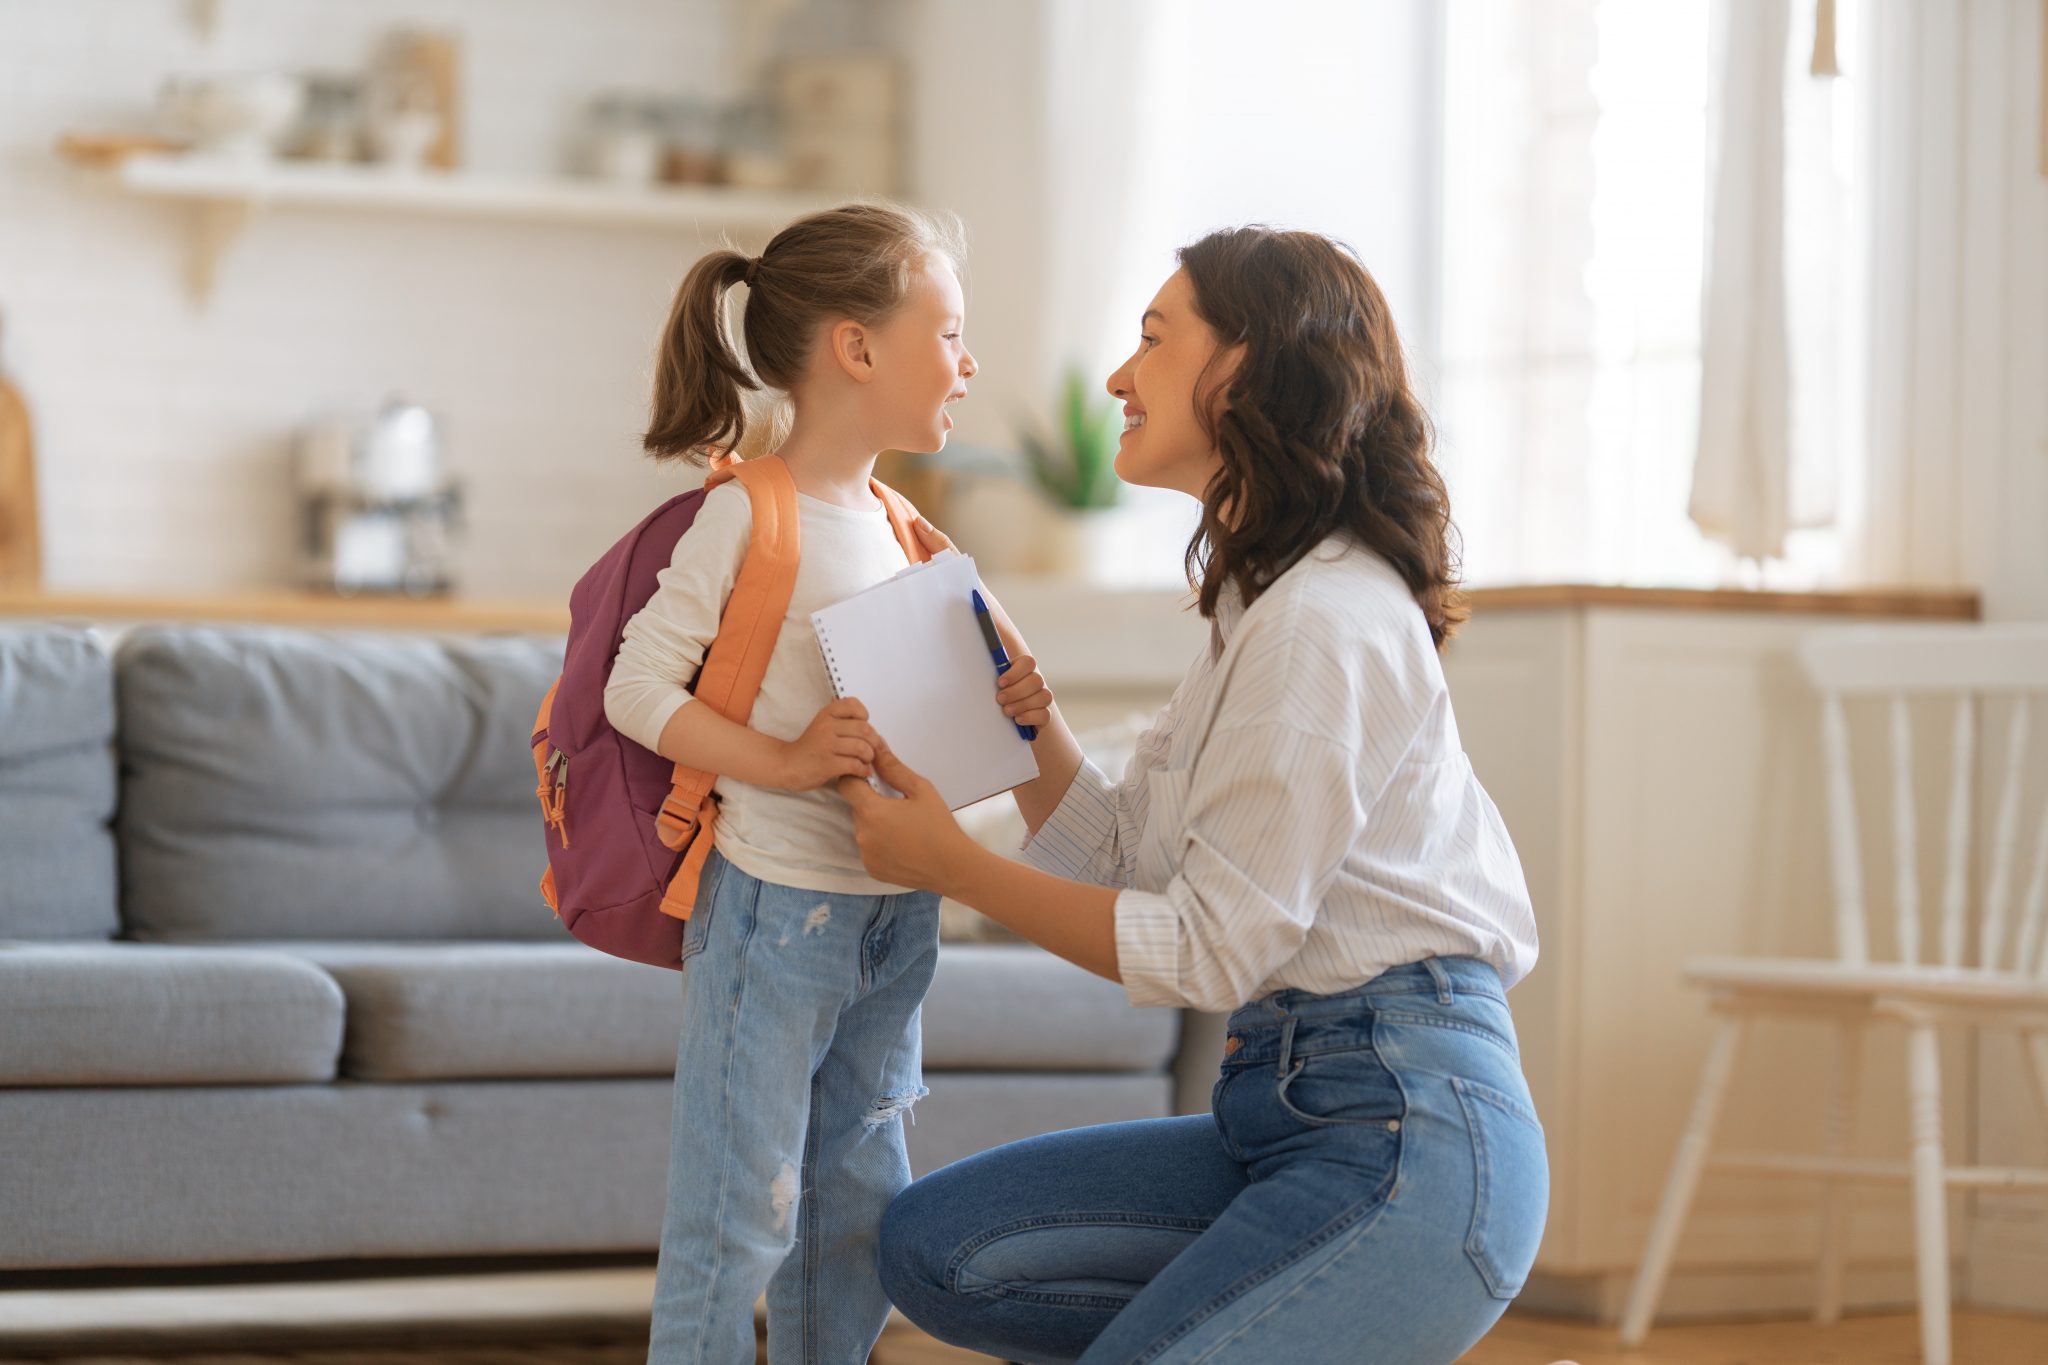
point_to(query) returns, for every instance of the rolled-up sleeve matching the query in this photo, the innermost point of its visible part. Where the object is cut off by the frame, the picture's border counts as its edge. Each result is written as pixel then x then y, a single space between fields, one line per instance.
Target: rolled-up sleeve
pixel 1266 817
pixel 1085 836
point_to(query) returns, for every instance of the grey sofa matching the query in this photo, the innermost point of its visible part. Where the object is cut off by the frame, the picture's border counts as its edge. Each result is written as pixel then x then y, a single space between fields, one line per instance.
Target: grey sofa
pixel 276 984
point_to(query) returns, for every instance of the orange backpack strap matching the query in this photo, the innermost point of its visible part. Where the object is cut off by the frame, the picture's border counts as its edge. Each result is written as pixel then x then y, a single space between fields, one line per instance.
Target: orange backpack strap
pixel 902 519
pixel 738 659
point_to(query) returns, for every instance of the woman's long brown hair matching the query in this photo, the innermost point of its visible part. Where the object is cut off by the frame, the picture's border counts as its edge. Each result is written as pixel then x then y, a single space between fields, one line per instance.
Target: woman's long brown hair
pixel 1318 429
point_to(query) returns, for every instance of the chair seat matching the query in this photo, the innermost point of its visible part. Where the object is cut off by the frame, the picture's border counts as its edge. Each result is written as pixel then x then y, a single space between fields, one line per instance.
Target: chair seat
pixel 1844 981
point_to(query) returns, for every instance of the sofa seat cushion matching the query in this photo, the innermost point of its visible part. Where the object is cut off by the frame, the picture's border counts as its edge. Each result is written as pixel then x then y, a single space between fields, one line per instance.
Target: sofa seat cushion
pixel 153 1014
pixel 1004 1007
pixel 476 1011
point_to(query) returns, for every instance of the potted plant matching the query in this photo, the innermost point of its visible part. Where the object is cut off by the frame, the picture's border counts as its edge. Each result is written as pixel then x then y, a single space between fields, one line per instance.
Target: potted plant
pixel 1075 468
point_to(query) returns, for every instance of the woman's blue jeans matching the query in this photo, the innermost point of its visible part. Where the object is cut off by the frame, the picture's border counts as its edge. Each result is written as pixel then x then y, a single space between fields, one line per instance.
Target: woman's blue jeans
pixel 1371 1187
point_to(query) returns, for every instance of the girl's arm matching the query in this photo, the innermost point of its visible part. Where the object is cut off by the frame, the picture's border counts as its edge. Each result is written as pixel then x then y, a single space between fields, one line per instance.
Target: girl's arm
pixel 838 743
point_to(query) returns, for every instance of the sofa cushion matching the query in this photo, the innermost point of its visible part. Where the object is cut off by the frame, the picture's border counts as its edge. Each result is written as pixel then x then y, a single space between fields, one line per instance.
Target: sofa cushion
pixel 466 1011
pixel 155 1014
pixel 1018 1008
pixel 56 785
pixel 473 1011
pixel 288 784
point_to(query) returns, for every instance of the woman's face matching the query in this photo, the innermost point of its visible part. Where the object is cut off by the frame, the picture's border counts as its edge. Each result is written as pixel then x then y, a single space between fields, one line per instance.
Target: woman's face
pixel 1163 445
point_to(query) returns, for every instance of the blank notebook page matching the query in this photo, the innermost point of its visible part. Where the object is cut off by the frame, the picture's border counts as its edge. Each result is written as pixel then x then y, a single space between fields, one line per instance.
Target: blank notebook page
pixel 910 650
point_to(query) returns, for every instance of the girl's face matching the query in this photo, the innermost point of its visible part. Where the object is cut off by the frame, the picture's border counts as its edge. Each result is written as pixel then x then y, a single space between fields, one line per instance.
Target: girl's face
pixel 1163 445
pixel 921 364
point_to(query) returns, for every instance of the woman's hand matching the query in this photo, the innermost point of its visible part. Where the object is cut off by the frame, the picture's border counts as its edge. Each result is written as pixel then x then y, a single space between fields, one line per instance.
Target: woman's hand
pixel 910 841
pixel 837 743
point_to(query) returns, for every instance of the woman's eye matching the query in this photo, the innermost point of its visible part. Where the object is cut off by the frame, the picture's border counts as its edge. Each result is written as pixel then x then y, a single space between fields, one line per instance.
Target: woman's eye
pixel 1148 339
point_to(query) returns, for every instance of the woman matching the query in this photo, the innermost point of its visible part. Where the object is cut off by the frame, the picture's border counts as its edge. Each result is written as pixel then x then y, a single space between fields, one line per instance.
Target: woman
pixel 1299 840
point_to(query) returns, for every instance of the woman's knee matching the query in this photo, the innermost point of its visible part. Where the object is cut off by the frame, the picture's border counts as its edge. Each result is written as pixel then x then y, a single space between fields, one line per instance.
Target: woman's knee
pixel 915 1247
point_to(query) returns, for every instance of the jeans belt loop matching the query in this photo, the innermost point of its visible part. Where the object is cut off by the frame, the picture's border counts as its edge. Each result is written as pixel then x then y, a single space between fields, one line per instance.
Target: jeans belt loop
pixel 1441 977
pixel 1286 1046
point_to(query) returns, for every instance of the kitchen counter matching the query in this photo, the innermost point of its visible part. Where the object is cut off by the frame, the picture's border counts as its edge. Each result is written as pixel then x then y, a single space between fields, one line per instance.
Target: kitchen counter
pixel 289 607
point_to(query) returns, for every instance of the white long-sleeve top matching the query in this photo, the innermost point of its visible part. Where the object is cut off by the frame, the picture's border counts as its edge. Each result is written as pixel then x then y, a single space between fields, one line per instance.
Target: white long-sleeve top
pixel 800 839
pixel 1301 814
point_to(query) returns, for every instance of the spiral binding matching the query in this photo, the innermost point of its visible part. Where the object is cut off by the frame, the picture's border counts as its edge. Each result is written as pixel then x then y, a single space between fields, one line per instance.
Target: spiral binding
pixel 831 665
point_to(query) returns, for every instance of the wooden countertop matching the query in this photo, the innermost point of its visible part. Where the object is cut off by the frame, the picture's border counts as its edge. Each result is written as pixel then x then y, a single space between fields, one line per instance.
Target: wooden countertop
pixel 1941 604
pixel 457 614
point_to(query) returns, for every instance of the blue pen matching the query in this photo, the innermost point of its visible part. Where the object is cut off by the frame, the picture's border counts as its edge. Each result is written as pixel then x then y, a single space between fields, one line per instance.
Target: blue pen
pixel 997 652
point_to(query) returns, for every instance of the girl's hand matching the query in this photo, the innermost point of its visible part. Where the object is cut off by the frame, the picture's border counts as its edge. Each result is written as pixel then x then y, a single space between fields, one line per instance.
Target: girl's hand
pixel 837 743
pixel 912 840
pixel 1023 692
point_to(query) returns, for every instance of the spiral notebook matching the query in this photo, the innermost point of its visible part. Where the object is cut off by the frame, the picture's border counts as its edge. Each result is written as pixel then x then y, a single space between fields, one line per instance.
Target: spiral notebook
pixel 909 648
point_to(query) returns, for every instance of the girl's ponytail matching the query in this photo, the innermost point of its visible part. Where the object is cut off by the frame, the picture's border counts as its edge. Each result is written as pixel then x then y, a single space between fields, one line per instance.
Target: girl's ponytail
pixel 855 261
pixel 699 382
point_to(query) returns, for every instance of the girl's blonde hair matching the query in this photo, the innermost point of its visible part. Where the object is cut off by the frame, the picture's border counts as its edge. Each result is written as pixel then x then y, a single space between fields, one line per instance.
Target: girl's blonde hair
pixel 855 261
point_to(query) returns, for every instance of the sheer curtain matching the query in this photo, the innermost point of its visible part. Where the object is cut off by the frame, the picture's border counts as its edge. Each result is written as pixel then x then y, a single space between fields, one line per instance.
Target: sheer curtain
pixel 1576 210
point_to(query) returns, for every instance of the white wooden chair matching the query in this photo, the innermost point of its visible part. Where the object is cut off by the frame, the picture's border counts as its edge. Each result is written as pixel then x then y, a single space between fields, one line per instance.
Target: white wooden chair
pixel 1999 980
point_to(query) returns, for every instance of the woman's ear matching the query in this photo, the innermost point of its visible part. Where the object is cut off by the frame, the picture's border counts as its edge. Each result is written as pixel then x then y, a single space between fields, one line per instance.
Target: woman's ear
pixel 848 342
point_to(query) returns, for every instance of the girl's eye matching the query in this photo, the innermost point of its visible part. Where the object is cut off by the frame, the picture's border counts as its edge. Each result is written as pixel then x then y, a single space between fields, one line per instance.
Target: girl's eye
pixel 952 336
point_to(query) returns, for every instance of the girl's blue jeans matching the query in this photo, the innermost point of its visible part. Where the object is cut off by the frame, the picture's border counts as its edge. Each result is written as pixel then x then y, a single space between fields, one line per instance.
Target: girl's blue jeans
pixel 1371 1187
pixel 799 1058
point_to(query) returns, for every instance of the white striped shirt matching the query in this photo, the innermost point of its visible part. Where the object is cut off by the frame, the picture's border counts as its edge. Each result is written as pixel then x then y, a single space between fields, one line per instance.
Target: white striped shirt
pixel 1301 814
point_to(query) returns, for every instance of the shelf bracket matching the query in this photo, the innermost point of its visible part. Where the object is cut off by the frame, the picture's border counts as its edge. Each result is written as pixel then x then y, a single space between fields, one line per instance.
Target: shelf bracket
pixel 203 15
pixel 215 225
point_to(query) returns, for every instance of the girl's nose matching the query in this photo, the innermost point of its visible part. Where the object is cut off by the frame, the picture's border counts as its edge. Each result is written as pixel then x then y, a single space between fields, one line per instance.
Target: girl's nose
pixel 969 366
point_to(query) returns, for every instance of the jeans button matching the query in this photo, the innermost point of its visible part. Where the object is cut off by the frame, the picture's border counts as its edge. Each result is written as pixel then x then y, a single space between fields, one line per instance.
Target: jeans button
pixel 1231 1046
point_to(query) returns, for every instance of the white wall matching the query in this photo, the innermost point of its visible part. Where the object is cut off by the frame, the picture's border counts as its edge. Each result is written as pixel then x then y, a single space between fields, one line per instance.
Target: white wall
pixel 163 427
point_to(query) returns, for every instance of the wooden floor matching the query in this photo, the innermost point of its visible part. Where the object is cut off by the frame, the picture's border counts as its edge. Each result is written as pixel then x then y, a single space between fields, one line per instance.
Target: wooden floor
pixel 1981 1339
pixel 598 1316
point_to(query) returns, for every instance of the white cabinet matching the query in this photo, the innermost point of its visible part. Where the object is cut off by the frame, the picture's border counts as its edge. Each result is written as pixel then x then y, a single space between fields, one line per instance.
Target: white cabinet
pixel 1656 757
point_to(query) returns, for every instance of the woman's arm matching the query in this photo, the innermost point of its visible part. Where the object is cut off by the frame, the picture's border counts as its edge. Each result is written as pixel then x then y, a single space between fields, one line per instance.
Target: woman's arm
pixel 915 841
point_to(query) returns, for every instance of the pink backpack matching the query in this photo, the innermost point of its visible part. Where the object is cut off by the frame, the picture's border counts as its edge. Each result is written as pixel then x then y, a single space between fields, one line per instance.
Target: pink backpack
pixel 627 841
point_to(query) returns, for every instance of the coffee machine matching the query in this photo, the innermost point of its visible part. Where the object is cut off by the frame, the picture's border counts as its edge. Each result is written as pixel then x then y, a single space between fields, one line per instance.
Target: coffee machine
pixel 379 513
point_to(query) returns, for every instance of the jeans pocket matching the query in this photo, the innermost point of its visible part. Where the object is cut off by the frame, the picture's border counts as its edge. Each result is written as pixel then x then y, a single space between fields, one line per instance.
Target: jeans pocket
pixel 1336 1089
pixel 1512 1186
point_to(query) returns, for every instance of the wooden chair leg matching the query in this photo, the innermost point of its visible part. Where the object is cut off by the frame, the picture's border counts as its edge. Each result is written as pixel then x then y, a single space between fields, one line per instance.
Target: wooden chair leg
pixel 1835 1203
pixel 1930 1192
pixel 1680 1185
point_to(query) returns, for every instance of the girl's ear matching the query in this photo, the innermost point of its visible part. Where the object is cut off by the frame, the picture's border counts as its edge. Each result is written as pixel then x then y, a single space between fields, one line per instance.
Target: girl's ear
pixel 848 342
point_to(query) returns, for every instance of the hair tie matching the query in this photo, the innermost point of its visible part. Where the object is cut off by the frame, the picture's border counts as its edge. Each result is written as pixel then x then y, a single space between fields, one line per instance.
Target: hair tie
pixel 753 269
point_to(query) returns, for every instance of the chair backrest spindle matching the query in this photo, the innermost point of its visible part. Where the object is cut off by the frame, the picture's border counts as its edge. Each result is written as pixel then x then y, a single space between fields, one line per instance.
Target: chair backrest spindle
pixel 1972 667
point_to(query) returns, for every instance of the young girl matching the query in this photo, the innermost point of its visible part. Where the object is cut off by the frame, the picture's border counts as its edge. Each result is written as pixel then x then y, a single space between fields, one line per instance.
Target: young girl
pixel 800 1046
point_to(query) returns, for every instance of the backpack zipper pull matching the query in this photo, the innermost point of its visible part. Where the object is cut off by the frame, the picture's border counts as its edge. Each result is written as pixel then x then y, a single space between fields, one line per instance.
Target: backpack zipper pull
pixel 558 769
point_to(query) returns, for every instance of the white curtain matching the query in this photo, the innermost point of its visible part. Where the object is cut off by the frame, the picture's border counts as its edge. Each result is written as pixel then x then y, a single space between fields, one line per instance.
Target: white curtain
pixel 1742 476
